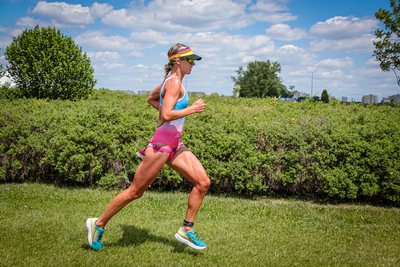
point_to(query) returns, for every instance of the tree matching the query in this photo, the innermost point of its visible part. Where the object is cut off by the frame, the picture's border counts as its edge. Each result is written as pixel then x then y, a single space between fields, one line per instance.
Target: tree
pixel 260 80
pixel 44 63
pixel 387 49
pixel 325 96
pixel 1 70
pixel 236 91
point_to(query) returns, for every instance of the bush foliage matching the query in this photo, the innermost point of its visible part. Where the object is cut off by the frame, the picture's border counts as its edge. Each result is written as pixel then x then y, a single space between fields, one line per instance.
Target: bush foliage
pixel 246 145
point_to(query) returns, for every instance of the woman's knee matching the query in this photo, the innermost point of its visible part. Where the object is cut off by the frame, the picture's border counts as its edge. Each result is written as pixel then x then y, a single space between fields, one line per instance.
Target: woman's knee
pixel 133 194
pixel 203 184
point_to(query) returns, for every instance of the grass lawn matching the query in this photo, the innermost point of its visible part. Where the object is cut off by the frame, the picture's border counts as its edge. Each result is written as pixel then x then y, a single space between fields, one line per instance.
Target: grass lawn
pixel 42 225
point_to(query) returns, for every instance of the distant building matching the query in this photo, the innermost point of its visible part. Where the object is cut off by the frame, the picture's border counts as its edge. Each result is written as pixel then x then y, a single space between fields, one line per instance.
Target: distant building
pixel 373 99
pixel 298 95
pixel 143 92
pixel 396 98
pixel 197 93
pixel 344 99
pixel 127 91
pixel 385 100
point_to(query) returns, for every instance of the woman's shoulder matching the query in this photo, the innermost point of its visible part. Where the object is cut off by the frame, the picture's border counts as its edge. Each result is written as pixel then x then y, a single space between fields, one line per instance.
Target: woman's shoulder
pixel 173 82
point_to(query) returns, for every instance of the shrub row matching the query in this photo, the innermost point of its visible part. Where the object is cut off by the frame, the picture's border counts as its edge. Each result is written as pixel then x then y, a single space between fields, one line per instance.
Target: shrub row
pixel 246 145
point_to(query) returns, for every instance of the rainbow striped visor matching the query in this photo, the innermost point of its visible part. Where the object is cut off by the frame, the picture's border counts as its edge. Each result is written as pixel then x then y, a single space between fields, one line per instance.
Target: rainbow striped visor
pixel 187 53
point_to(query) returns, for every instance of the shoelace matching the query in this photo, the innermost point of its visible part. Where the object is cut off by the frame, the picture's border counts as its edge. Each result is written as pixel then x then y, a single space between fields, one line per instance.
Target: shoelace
pixel 99 236
pixel 195 236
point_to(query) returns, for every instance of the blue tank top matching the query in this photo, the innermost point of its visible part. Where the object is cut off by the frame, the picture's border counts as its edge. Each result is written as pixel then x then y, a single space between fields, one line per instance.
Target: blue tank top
pixel 181 103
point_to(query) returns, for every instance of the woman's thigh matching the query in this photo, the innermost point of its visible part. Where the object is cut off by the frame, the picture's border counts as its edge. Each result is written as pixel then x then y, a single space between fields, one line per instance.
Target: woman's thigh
pixel 148 169
pixel 186 164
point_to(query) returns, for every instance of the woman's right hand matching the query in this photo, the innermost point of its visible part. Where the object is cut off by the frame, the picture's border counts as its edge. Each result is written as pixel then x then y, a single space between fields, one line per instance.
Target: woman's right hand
pixel 198 106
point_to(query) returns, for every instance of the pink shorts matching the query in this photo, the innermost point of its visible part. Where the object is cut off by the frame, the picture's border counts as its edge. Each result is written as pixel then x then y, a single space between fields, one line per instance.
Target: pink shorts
pixel 167 150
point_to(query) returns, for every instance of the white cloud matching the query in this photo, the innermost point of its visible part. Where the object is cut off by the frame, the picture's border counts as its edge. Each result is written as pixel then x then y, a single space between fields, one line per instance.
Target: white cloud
pixel 343 27
pixel 64 13
pixel 67 15
pixel 270 11
pixel 291 54
pixel 11 31
pixel 283 32
pixel 195 15
pixel 99 10
pixel 352 45
pixel 136 54
pixel 114 66
pixel 372 63
pixel 106 56
pixel 98 41
pixel 4 42
pixel 6 79
pixel 346 62
pixel 273 17
pixel 331 74
pixel 268 6
pixel 29 22
pixel 152 37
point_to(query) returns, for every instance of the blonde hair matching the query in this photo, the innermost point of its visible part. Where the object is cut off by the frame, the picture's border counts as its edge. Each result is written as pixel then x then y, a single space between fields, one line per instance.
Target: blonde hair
pixel 172 51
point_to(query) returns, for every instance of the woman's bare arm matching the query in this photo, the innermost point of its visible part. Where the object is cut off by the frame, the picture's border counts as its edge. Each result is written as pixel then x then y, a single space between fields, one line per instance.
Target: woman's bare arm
pixel 154 98
pixel 172 90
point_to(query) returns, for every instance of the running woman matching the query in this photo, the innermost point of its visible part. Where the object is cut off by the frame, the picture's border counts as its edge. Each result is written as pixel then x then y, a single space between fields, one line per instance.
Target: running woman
pixel 171 100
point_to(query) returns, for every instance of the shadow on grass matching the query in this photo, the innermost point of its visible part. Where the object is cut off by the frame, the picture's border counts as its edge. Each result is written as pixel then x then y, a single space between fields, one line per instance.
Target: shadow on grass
pixel 134 236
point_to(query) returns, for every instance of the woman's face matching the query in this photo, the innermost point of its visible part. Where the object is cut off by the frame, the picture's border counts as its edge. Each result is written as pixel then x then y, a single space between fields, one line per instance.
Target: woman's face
pixel 186 66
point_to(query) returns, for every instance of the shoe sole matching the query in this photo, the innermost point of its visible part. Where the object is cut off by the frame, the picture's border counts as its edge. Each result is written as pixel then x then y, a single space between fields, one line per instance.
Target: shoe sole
pixel 89 229
pixel 187 242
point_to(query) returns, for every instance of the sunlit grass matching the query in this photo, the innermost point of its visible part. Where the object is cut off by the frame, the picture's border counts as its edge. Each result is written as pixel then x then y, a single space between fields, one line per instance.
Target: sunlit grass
pixel 44 225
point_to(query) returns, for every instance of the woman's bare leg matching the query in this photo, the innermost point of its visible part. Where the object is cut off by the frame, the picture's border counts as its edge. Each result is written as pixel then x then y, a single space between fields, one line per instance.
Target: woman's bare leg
pixel 185 163
pixel 146 173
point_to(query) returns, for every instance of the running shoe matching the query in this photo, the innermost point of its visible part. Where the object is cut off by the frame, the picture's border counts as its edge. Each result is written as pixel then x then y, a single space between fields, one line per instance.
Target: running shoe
pixel 190 239
pixel 94 234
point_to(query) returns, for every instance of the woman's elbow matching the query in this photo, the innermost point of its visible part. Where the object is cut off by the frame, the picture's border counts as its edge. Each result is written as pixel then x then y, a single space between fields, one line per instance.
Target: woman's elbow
pixel 165 117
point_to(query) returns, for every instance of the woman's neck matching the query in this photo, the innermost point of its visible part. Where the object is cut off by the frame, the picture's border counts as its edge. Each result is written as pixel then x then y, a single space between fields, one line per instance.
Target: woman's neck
pixel 177 73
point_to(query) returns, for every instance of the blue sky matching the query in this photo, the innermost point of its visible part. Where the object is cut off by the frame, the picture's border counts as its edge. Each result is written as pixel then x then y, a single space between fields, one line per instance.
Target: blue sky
pixel 127 41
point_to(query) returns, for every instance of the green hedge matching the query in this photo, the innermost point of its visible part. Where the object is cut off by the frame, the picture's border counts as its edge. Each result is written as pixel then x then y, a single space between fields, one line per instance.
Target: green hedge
pixel 246 145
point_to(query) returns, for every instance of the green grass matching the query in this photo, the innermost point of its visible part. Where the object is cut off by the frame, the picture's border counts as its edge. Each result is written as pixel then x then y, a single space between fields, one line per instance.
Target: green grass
pixel 42 225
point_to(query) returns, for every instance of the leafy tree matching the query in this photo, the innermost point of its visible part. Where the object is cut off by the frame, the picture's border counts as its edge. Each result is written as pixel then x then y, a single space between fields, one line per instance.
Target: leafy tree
pixel 325 96
pixel 47 64
pixel 387 49
pixel 260 80
pixel 1 70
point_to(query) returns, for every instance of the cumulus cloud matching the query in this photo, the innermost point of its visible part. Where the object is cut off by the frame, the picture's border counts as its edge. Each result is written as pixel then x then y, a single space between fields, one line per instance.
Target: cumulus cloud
pixel 268 6
pixel 136 54
pixel 372 63
pixel 99 10
pixel 4 42
pixel 270 11
pixel 66 15
pixel 272 17
pixel 29 22
pixel 106 56
pixel 343 27
pixel 351 45
pixel 283 32
pixel 346 62
pixel 195 15
pixel 331 74
pixel 160 15
pixel 6 79
pixel 291 54
pixel 96 40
